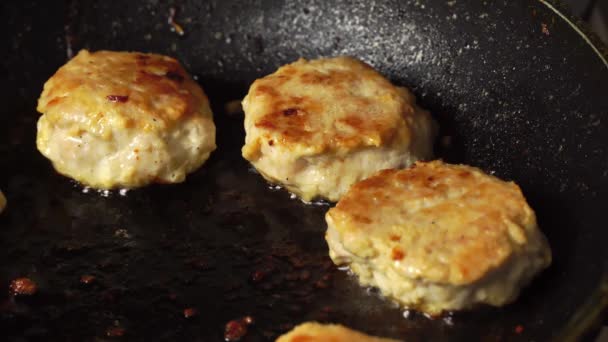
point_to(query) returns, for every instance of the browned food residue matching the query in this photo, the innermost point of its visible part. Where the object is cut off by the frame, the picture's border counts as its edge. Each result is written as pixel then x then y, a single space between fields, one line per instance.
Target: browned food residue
pixel 87 279
pixel 190 312
pixel 397 254
pixel 22 287
pixel 544 28
pixel 175 27
pixel 258 276
pixel 237 329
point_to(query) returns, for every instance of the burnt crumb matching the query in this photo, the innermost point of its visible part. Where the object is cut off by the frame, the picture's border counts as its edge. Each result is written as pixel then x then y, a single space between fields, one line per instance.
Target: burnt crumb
pixel 175 27
pixel 258 276
pixel 237 329
pixel 87 279
pixel 544 29
pixel 22 287
pixel 174 76
pixel 190 312
pixel 118 98
pixel 270 142
pixel 290 111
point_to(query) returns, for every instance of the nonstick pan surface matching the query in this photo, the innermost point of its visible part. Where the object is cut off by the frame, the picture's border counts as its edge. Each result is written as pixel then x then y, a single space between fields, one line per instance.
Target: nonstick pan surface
pixel 517 89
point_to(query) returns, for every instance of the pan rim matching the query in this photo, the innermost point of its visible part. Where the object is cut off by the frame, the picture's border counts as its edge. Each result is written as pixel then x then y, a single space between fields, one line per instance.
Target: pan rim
pixel 580 31
pixel 588 316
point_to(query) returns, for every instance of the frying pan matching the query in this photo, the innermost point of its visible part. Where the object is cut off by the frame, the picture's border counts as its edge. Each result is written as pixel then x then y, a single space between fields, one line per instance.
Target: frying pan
pixel 516 86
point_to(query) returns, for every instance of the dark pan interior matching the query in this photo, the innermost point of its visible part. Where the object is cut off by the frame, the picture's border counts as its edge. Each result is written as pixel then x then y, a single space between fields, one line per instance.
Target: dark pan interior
pixel 518 90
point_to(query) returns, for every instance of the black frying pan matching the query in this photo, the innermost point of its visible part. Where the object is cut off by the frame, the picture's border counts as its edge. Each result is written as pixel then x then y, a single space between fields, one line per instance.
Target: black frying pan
pixel 517 87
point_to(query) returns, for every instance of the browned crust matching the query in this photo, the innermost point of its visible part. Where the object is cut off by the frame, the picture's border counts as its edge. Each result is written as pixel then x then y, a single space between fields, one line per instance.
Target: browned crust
pixel 318 104
pixel 142 87
pixel 475 221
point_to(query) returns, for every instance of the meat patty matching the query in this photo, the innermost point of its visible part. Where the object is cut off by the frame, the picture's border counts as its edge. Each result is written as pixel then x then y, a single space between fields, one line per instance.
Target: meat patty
pixel 438 237
pixel 318 126
pixel 123 120
pixel 315 332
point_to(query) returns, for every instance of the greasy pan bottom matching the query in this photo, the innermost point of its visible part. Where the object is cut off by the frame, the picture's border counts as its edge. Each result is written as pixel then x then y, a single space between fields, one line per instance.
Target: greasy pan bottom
pixel 515 100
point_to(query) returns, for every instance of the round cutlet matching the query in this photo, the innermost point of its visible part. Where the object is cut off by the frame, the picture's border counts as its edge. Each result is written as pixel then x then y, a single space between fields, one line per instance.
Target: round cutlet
pixel 124 119
pixel 438 236
pixel 316 332
pixel 318 126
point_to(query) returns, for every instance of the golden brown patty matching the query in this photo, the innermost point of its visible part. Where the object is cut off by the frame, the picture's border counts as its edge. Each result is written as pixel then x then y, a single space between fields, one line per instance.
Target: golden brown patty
pixel 319 126
pixel 438 236
pixel 315 332
pixel 123 119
